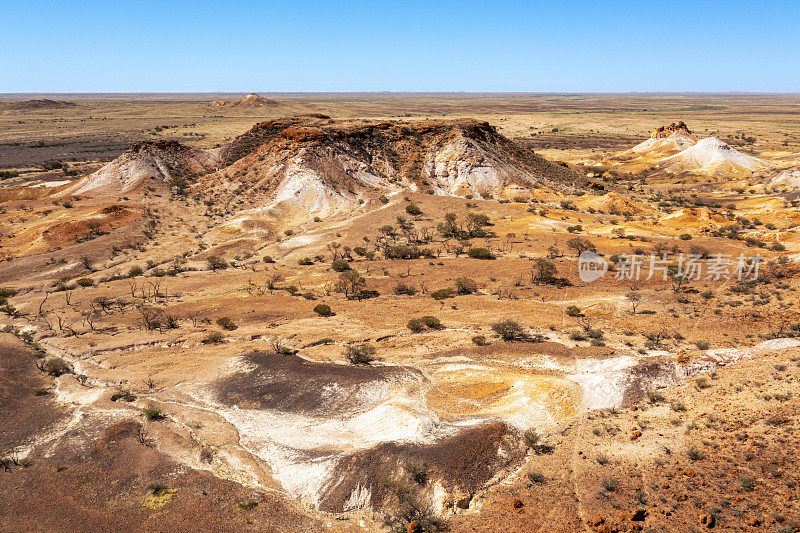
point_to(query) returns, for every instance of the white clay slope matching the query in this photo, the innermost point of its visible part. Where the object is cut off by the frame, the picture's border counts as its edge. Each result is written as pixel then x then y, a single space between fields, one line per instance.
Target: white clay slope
pixel 663 146
pixel 787 179
pixel 132 169
pixel 462 168
pixel 711 154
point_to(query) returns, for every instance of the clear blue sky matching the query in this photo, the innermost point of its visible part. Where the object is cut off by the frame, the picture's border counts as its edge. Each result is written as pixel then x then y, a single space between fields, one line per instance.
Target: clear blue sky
pixel 298 45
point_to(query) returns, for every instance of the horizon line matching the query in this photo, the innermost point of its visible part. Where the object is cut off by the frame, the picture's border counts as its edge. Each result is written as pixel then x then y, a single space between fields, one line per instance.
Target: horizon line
pixel 729 92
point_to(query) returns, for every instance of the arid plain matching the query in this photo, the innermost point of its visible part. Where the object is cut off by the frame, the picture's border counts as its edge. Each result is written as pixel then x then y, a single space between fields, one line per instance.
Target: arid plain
pixel 407 312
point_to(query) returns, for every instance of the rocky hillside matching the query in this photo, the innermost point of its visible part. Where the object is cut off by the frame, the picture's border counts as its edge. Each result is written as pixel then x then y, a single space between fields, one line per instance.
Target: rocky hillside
pixel 312 165
pixel 674 149
pixel 317 164
pixel 160 162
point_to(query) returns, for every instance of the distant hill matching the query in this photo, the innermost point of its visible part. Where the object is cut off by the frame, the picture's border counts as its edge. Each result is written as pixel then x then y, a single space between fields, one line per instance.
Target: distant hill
pixel 251 100
pixel 38 103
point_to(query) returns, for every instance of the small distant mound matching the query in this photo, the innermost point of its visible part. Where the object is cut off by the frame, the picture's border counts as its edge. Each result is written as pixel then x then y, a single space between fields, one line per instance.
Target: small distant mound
pixel 251 100
pixel 712 155
pixel 38 103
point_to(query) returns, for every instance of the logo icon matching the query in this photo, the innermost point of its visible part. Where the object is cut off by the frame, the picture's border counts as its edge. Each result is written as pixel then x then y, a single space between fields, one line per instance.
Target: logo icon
pixel 591 266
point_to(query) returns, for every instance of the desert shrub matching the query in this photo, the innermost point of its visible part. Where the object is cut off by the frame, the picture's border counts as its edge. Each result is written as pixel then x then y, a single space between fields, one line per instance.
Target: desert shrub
pixel 432 322
pixel 383 199
pixel 292 289
pixel 247 505
pixel 417 472
pixel 56 367
pixel 215 263
pixel 7 293
pixel 226 323
pixel 413 210
pixel 655 396
pixel 85 282
pixel 685 237
pixel 340 265
pixel 214 337
pixel 415 325
pixel 134 271
pixel 536 477
pixel 442 294
pixel 426 322
pixel 594 333
pixel 366 294
pixel 694 454
pixel 403 289
pixel 531 438
pixel 403 251
pixel 466 285
pixel 678 407
pixel 609 484
pixel 480 253
pixel 305 261
pixel 577 336
pixel 323 310
pixel 360 354
pixel 573 310
pixel 509 330
pixel 124 395
pixel 699 251
pixel 268 259
pixel 702 345
pixel 152 413
pixel 479 340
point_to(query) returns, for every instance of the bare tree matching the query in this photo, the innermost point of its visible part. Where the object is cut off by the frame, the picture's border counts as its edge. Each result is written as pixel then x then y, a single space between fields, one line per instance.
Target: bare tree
pixel 149 316
pixel 273 280
pixel 89 317
pixel 41 305
pixel 132 286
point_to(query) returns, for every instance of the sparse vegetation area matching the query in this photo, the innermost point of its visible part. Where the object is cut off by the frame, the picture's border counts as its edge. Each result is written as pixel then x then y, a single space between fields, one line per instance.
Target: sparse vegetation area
pixel 660 394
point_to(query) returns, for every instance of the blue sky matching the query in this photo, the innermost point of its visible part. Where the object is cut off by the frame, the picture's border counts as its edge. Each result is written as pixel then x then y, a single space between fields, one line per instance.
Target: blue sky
pixel 297 45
